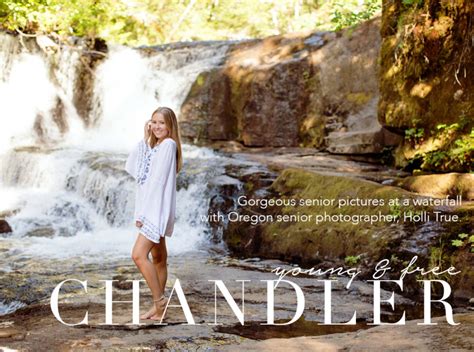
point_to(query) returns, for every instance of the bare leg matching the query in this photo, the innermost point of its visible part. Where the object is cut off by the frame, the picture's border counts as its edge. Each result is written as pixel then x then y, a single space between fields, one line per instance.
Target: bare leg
pixel 159 256
pixel 140 256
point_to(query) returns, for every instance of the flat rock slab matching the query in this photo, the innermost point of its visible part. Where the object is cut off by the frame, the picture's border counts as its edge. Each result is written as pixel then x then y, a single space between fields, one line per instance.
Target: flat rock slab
pixel 311 160
pixel 11 333
pixel 409 337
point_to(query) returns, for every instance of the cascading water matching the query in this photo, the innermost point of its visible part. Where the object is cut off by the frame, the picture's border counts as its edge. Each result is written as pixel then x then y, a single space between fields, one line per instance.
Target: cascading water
pixel 63 185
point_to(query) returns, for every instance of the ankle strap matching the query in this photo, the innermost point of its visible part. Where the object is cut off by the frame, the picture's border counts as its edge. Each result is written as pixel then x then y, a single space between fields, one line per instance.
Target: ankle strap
pixel 161 298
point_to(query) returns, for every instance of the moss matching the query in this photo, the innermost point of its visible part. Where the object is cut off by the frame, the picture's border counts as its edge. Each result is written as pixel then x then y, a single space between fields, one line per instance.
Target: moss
pixel 335 243
pixel 424 79
pixel 335 240
pixel 431 50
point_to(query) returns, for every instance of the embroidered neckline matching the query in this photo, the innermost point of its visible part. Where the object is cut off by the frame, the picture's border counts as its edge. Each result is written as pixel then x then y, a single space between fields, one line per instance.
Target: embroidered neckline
pixel 145 154
pixel 158 144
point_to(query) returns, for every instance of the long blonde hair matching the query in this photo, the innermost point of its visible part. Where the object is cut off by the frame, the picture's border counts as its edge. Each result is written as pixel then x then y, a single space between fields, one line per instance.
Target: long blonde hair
pixel 172 125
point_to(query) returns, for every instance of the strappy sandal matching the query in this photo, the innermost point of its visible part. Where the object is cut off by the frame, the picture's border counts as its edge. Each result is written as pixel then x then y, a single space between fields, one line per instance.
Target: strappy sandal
pixel 162 305
pixel 162 298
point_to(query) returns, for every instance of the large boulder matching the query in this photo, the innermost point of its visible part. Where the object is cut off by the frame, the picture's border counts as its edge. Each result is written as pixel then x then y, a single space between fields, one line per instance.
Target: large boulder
pixel 208 116
pixel 5 226
pixel 345 243
pixel 270 100
pixel 308 89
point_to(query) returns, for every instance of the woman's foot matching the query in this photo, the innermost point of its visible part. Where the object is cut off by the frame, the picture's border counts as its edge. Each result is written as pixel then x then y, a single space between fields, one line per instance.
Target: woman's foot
pixel 148 314
pixel 160 306
pixel 157 309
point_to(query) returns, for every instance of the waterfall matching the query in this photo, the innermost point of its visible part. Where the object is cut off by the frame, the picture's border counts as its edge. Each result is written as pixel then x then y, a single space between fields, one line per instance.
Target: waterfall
pixel 61 174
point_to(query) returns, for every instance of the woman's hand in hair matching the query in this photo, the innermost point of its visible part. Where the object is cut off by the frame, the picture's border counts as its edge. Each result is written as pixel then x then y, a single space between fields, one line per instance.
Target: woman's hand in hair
pixel 147 130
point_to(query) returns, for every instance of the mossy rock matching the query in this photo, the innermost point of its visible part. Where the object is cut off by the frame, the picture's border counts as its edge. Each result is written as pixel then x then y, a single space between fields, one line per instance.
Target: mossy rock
pixel 331 244
pixel 422 78
pixel 426 56
pixel 307 242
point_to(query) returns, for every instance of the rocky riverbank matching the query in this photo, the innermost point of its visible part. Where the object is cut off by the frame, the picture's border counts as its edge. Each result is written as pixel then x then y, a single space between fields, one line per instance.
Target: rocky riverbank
pixel 434 238
pixel 34 328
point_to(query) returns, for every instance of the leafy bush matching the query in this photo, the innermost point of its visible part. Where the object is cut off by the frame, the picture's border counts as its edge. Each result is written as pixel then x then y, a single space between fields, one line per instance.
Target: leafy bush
pixel 343 16
pixel 151 22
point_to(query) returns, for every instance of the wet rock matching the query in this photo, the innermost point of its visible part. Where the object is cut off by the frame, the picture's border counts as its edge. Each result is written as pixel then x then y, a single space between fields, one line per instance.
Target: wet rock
pixel 278 159
pixel 123 283
pixel 47 232
pixel 193 270
pixel 225 189
pixel 5 227
pixel 11 333
pixel 206 114
pixel 7 213
pixel 227 185
pixel 93 53
pixel 409 337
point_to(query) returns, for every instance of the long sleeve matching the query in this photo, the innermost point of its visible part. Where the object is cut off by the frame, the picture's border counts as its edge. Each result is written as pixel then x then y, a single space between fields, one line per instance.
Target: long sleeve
pixel 166 180
pixel 138 161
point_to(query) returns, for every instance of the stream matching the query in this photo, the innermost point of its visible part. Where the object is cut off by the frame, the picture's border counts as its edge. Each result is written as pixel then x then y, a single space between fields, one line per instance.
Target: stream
pixel 69 202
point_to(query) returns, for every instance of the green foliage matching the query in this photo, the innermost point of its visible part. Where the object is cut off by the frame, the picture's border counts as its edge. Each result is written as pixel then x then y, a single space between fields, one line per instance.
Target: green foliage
pixel 395 260
pixel 344 16
pixel 352 259
pixel 457 243
pixel 444 127
pixel 395 210
pixel 76 17
pixel 412 2
pixel 456 153
pixel 414 134
pixel 151 22
pixel 452 146
pixel 435 158
pixel 463 240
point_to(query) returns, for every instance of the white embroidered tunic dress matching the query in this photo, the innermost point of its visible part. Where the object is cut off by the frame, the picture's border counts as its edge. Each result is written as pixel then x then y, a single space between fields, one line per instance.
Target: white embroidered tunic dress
pixel 154 170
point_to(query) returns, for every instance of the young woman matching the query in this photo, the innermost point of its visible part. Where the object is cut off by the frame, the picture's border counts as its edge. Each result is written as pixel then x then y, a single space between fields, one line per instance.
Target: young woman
pixel 154 163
